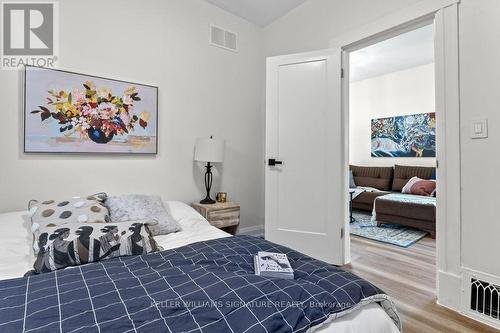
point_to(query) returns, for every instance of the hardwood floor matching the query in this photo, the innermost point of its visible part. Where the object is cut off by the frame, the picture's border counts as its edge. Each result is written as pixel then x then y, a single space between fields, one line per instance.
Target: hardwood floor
pixel 409 276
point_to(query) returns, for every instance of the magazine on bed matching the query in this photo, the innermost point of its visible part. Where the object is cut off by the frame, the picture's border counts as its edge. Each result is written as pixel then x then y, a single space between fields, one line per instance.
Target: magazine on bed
pixel 272 264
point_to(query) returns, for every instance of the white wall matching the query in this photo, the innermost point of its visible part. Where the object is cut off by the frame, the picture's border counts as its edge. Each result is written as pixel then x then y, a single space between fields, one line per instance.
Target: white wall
pixel 399 93
pixel 203 90
pixel 480 98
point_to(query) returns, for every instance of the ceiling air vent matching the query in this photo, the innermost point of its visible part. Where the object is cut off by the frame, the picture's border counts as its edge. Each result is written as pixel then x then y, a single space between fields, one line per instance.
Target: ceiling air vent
pixel 223 38
pixel 484 298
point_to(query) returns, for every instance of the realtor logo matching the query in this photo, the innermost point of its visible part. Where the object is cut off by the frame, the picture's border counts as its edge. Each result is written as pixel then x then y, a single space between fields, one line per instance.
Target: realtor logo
pixel 29 32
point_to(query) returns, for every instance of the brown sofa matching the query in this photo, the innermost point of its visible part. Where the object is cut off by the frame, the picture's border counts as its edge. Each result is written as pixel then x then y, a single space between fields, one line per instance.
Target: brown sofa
pixel 392 180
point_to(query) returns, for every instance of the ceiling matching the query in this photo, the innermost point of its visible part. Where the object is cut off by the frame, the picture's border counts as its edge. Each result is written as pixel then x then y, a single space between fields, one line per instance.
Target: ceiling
pixel 411 49
pixel 260 12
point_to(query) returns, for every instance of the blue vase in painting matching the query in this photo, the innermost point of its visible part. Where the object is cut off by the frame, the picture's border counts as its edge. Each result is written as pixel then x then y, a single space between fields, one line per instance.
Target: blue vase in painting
pixel 99 136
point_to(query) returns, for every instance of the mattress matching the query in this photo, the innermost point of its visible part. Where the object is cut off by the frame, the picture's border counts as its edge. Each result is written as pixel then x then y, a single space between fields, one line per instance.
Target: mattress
pixel 16 258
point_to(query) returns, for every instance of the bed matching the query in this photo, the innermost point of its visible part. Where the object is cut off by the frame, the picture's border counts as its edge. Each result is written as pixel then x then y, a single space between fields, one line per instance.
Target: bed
pixel 371 314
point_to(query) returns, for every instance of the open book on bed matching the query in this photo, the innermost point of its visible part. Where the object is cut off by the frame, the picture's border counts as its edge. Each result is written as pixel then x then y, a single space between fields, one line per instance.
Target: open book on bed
pixel 273 265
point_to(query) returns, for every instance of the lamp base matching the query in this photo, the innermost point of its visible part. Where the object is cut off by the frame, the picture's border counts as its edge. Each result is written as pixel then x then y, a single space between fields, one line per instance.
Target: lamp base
pixel 207 201
pixel 208 185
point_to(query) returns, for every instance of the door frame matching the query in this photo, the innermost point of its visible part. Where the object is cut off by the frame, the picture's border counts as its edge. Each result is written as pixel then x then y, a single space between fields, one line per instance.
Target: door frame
pixel 448 211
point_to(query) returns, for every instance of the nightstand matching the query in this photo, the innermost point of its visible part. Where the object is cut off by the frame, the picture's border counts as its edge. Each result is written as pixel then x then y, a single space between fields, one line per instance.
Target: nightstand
pixel 225 216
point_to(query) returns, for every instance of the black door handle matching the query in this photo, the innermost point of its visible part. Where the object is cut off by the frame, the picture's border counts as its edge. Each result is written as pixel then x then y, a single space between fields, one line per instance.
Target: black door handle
pixel 273 162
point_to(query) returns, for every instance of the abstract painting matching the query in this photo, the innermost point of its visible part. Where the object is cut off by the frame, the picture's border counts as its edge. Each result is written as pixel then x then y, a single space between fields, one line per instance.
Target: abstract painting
pixel 404 136
pixel 66 112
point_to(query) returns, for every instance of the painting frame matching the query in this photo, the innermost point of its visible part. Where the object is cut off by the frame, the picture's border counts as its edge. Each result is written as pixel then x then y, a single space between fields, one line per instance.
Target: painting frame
pixel 410 136
pixel 26 111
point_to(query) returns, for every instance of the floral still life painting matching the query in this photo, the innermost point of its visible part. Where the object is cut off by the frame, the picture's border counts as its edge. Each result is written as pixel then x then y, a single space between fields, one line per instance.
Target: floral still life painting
pixel 77 113
pixel 404 136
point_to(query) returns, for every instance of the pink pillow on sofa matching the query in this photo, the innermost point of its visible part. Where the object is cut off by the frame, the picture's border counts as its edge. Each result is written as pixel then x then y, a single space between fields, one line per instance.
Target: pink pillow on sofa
pixel 419 186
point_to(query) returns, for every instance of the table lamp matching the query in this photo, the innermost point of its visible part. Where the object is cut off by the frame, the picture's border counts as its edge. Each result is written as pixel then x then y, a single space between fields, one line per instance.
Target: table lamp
pixel 211 151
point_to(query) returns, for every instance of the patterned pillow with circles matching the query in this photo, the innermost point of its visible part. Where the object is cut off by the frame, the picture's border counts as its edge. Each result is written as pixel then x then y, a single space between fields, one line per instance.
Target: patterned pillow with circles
pixel 54 213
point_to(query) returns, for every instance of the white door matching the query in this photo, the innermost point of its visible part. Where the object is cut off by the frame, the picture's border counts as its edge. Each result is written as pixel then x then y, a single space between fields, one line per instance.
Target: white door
pixel 304 207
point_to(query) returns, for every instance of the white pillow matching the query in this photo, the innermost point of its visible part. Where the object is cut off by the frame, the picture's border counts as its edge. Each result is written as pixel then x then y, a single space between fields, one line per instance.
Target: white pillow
pixel 407 188
pixel 185 215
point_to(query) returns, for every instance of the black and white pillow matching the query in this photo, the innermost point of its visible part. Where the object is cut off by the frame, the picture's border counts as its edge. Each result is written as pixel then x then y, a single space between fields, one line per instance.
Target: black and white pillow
pixel 74 244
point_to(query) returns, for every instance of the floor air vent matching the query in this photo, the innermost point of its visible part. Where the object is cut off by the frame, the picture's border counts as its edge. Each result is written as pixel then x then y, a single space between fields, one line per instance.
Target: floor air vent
pixel 484 298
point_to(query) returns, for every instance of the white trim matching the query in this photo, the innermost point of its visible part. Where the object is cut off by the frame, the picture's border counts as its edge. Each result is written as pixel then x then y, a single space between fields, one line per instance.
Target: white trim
pixel 445 14
pixel 395 31
pixel 450 285
pixel 257 230
pixel 407 15
pixel 448 211
pixel 344 142
pixel 291 59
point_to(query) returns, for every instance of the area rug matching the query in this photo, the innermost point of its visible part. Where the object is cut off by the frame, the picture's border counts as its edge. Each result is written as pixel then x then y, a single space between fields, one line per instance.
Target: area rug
pixel 387 233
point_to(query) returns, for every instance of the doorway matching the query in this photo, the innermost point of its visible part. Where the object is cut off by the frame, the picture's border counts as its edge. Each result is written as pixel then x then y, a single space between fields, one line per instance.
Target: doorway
pixel 392 163
pixel 448 221
pixel 392 138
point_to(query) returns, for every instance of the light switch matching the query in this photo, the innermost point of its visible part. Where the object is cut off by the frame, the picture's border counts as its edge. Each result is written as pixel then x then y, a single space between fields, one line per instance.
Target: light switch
pixel 479 129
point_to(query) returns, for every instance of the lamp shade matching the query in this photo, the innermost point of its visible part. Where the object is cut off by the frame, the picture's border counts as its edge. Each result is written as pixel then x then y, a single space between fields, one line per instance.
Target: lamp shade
pixel 209 150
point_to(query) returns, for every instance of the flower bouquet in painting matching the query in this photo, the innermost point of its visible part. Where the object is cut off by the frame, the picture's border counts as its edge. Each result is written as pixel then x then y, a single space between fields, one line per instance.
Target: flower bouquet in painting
pixel 78 113
pixel 94 112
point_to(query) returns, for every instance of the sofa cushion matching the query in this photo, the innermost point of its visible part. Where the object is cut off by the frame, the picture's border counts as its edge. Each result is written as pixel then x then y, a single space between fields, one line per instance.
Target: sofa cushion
pixel 368 197
pixel 403 173
pixel 377 177
pixel 414 210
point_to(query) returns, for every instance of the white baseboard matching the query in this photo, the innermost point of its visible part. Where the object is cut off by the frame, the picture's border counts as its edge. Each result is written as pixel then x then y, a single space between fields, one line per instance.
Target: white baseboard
pixel 449 290
pixel 257 230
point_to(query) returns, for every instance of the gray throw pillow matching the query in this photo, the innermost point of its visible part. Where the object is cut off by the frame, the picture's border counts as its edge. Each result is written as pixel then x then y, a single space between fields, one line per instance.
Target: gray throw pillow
pixel 134 207
pixel 352 184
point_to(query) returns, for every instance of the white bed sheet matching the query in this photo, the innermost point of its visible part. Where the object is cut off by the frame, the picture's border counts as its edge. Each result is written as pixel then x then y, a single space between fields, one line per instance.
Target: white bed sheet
pixel 194 228
pixel 370 319
pixel 16 258
pixel 16 253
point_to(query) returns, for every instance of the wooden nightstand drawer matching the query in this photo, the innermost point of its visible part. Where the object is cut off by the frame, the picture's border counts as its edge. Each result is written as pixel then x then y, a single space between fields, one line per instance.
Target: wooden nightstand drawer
pixel 224 216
